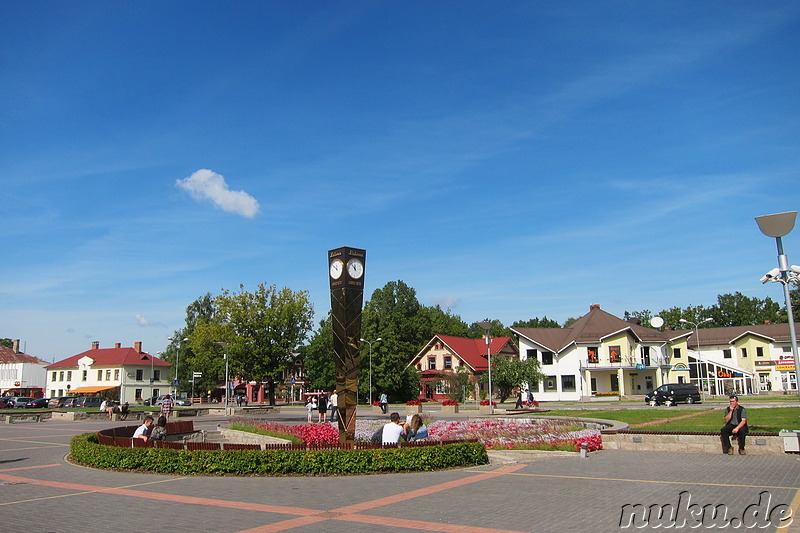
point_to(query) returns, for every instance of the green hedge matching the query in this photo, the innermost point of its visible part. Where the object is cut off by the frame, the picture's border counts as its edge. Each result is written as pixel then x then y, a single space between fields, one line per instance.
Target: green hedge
pixel 86 450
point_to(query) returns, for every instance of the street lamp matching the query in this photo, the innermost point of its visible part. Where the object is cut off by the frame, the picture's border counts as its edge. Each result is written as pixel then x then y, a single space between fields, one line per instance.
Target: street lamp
pixel 696 326
pixel 777 226
pixel 177 360
pixel 370 365
pixel 227 384
pixel 488 326
pixel 152 379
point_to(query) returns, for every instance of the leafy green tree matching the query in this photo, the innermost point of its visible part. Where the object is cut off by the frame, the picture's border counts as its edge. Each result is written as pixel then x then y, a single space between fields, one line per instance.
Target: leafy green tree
pixel 568 322
pixel 263 328
pixel 177 351
pixel 497 329
pixel 318 356
pixel 510 372
pixel 644 317
pixel 536 322
pixel 459 382
pixel 8 343
pixel 739 310
pixel 440 322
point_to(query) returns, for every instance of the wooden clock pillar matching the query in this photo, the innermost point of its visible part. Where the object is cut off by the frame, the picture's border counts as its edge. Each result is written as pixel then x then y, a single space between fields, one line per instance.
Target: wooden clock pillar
pixel 346 273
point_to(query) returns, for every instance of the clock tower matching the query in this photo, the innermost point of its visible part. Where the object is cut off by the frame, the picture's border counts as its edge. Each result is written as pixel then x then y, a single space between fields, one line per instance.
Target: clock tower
pixel 346 274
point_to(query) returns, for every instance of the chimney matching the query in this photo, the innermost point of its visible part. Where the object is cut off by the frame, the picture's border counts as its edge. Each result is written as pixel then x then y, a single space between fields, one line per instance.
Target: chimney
pixel 593 307
pixel 117 345
pixel 138 346
pixel 768 322
pixel 15 346
pixel 95 345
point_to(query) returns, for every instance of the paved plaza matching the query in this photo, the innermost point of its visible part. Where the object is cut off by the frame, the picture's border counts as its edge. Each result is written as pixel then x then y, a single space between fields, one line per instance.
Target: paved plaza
pixel 519 492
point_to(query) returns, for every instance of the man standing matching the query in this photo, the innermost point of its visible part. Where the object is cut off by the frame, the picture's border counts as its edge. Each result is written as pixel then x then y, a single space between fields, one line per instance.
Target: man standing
pixel 393 430
pixel 384 401
pixel 166 406
pixel 334 402
pixel 736 425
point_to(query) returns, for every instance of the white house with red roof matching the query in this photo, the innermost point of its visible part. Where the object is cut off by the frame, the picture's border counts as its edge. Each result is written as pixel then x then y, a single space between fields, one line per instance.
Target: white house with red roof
pixel 444 354
pixel 120 373
pixel 21 374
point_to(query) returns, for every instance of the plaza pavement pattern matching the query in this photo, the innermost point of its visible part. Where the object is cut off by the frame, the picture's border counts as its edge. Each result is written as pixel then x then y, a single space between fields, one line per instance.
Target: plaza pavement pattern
pixel 40 491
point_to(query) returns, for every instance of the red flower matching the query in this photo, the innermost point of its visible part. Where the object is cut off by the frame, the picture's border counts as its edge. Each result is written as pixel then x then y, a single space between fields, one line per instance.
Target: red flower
pixel 449 402
pixel 413 402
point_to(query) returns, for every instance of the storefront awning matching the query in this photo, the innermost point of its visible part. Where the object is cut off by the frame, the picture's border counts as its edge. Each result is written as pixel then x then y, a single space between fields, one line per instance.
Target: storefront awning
pixel 90 390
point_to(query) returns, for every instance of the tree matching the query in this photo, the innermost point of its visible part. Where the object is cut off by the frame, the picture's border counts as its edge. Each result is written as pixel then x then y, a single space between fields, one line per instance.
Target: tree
pixel 536 322
pixel 510 372
pixel 199 311
pixel 497 329
pixel 318 356
pixel 739 310
pixel 458 382
pixel 263 328
pixel 8 343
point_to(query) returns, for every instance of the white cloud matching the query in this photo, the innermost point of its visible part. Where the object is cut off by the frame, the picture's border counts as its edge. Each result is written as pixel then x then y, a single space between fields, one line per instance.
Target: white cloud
pixel 141 320
pixel 208 185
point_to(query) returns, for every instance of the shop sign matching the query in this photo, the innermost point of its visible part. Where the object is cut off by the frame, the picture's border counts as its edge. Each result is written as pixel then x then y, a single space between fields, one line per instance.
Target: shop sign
pixel 784 367
pixel 766 363
pixel 680 366
pixel 728 374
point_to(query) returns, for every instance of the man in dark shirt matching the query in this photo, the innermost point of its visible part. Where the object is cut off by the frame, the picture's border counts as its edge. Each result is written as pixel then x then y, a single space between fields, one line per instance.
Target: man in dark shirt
pixel 736 425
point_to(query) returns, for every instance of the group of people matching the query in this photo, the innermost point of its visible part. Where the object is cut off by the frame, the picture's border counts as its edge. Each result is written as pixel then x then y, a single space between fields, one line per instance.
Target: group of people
pixel 398 430
pixel 111 408
pixel 322 405
pixel 524 399
pixel 151 429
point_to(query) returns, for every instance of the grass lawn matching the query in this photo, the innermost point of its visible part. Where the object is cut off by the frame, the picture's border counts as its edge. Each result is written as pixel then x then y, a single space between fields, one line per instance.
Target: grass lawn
pixel 771 419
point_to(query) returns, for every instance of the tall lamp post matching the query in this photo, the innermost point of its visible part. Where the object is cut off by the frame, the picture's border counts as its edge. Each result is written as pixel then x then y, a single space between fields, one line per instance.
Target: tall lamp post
pixel 777 226
pixel 696 326
pixel 227 383
pixel 488 326
pixel 177 360
pixel 370 365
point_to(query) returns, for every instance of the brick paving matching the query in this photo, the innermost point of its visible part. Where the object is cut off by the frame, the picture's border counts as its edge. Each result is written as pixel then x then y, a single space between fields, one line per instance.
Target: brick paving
pixel 537 493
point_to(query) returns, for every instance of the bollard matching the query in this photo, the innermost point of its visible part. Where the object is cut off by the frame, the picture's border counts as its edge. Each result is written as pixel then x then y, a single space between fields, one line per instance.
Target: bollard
pixel 584 450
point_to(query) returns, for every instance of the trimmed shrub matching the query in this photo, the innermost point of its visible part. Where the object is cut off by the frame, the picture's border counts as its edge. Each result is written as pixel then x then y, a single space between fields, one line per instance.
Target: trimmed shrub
pixel 85 449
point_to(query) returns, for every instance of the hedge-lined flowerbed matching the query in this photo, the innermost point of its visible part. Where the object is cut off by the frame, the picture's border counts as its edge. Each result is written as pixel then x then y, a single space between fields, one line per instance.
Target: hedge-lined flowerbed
pixel 86 450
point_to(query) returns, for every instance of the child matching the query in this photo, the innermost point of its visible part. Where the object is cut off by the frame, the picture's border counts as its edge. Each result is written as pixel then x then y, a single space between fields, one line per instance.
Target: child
pixel 310 406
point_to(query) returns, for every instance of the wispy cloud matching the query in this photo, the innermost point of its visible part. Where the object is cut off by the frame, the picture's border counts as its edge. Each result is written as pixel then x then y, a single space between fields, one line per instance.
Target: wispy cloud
pixel 208 185
pixel 144 322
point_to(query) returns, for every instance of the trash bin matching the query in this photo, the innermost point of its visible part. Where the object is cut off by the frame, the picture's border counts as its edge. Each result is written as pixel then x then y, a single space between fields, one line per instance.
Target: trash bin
pixel 791 439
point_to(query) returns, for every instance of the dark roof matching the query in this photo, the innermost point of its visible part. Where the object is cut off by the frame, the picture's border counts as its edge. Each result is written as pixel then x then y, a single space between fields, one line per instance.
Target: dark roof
pixel 598 324
pixel 593 327
pixel 8 355
pixel 111 357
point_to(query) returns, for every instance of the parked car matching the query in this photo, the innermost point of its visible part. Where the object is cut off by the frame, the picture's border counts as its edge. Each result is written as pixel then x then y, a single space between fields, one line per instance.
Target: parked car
pixel 57 401
pixel 673 393
pixel 4 402
pixel 176 400
pixel 38 403
pixel 18 402
pixel 69 402
pixel 88 401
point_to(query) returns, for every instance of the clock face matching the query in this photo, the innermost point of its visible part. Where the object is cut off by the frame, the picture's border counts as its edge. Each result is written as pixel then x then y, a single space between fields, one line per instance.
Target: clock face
pixel 337 268
pixel 355 268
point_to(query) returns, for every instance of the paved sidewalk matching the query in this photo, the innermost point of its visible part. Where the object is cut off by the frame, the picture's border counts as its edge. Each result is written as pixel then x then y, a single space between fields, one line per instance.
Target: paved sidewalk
pixel 528 492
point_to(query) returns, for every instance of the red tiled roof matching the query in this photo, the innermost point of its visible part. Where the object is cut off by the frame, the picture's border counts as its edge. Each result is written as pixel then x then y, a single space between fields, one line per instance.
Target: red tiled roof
pixel 470 351
pixel 111 357
pixel 7 355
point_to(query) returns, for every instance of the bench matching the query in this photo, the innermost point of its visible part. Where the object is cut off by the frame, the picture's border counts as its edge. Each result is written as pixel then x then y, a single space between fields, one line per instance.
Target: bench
pixel 23 416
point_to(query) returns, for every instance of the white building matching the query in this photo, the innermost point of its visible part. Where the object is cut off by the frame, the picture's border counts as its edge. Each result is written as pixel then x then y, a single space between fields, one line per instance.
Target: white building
pixel 124 374
pixel 21 374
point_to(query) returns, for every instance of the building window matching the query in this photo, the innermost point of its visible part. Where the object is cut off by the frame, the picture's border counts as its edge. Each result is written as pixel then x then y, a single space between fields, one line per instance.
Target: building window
pixel 550 384
pixel 759 351
pixel 614 383
pixel 99 375
pixel 646 355
pixel 139 375
pixel 568 383
pixel 61 392
pixel 55 375
pixel 61 376
pixel 744 352
pixel 84 375
pixel 69 375
pixel 108 375
pixel 157 375
pixel 116 374
pixel 676 353
pixel 448 362
pixel 431 363
pixel 138 393
pixel 593 357
pixel 726 354
pixel 547 358
pixel 442 387
pixel 786 349
pixel 531 353
pixel 615 354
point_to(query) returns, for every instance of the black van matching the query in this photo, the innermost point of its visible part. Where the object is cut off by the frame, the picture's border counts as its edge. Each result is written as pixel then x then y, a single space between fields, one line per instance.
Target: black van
pixel 673 393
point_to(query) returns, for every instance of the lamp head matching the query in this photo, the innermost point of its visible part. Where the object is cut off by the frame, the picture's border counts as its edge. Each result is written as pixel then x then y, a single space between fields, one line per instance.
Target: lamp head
pixel 771 275
pixel 777 225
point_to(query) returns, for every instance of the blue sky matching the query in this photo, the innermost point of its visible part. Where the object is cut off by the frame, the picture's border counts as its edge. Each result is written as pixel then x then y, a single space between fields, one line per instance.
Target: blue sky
pixel 508 160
